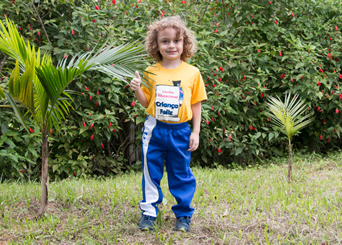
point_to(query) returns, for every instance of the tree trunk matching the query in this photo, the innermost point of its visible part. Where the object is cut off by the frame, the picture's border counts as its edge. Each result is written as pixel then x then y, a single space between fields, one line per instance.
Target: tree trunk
pixel 290 162
pixel 45 176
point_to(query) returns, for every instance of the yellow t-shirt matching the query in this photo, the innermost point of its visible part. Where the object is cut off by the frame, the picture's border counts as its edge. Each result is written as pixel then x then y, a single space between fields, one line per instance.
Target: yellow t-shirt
pixel 173 92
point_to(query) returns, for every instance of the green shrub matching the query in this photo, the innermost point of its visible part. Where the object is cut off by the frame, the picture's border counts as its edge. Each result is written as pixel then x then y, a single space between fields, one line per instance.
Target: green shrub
pixel 259 49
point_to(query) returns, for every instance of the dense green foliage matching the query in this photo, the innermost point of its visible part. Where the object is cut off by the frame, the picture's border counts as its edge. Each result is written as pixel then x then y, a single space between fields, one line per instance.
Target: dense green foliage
pixel 246 52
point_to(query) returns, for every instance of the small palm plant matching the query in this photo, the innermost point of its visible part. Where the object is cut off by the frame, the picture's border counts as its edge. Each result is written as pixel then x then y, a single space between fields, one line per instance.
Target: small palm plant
pixel 288 117
pixel 40 88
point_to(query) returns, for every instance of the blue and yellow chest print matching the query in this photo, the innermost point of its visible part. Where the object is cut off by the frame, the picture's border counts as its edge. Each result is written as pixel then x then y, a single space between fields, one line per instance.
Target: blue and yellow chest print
pixel 173 92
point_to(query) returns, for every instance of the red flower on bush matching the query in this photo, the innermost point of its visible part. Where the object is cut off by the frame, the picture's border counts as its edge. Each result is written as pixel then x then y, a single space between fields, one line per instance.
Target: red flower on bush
pixel 92 137
pixel 336 28
pixel 340 96
pixel 94 20
pixel 276 22
pixel 329 139
pixel 39 33
pixel 230 138
pixel 102 146
pixel 72 32
pixel 113 2
pixel 91 126
pixel 50 131
pixel 270 2
pixel 114 130
pixel 321 70
pixel 279 53
pixel 207 122
pixel 251 127
pixel 329 55
pixel 95 104
pixel 31 130
pixel 210 139
pixel 87 88
pixel 219 150
pixel 252 16
pixel 221 69
pixel 21 171
pixel 319 83
pixel 215 31
pixel 133 103
pixel 340 76
pixel 337 111
pixel 84 124
pixel 293 15
pixel 335 129
pixel 258 50
pixel 97 7
pixel 291 79
pixel 98 93
pixel 90 97
pixel 320 137
pixel 75 174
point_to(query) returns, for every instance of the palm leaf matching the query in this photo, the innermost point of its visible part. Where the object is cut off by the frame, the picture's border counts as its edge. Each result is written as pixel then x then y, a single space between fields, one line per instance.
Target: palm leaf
pixel 2 94
pixel 54 81
pixel 16 110
pixel 288 116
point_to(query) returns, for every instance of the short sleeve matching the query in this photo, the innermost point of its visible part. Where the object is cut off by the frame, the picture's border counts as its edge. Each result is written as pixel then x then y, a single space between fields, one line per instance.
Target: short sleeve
pixel 146 90
pixel 198 90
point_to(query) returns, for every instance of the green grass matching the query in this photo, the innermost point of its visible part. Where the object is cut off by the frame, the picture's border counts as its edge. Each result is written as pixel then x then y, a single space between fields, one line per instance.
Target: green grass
pixel 252 206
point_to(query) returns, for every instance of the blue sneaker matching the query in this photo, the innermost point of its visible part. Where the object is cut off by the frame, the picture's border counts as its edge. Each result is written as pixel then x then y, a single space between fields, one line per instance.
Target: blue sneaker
pixel 146 223
pixel 183 224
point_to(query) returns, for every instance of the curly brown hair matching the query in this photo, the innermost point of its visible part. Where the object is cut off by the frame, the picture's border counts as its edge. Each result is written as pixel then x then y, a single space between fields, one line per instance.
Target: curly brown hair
pixel 189 40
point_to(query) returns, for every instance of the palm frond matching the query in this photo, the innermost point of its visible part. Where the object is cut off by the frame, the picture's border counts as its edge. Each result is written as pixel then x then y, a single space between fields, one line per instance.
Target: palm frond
pixel 16 110
pixel 288 116
pixel 2 94
pixel 55 80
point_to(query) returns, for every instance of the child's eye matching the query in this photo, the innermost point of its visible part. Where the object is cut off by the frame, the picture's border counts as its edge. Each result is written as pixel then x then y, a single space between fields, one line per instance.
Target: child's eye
pixel 164 41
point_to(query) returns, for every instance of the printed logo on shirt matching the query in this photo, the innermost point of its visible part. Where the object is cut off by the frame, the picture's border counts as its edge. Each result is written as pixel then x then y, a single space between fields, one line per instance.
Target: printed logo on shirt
pixel 168 100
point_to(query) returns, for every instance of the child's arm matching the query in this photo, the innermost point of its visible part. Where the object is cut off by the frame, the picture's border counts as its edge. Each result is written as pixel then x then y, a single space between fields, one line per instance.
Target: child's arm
pixel 196 124
pixel 135 86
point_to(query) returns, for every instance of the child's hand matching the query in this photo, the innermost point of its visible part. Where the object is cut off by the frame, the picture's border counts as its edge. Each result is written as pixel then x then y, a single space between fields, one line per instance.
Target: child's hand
pixel 194 141
pixel 135 83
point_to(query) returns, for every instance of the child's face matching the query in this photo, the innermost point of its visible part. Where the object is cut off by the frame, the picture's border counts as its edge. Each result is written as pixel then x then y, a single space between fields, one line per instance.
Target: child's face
pixel 170 47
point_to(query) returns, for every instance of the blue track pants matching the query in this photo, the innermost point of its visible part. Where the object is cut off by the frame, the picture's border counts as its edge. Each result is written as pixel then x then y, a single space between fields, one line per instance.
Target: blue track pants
pixel 170 142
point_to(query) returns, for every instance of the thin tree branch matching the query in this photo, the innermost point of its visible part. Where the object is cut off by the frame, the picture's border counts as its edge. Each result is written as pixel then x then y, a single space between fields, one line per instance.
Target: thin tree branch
pixel 40 20
pixel 224 18
pixel 205 10
pixel 3 61
pixel 127 139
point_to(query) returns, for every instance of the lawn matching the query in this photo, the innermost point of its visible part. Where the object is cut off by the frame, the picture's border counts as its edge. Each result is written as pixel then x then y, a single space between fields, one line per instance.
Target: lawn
pixel 251 206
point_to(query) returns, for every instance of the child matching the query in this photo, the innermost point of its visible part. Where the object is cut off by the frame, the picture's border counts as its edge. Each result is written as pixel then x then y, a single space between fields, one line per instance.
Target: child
pixel 174 99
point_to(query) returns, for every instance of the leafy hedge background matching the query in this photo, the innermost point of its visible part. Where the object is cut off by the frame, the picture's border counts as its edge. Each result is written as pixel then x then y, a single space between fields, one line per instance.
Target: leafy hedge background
pixel 247 51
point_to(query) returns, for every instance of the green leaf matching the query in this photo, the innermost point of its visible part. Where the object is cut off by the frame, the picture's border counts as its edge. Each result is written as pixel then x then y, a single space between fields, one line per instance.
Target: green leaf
pixel 108 135
pixel 270 136
pixel 32 150
pixel 139 119
pixel 238 151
